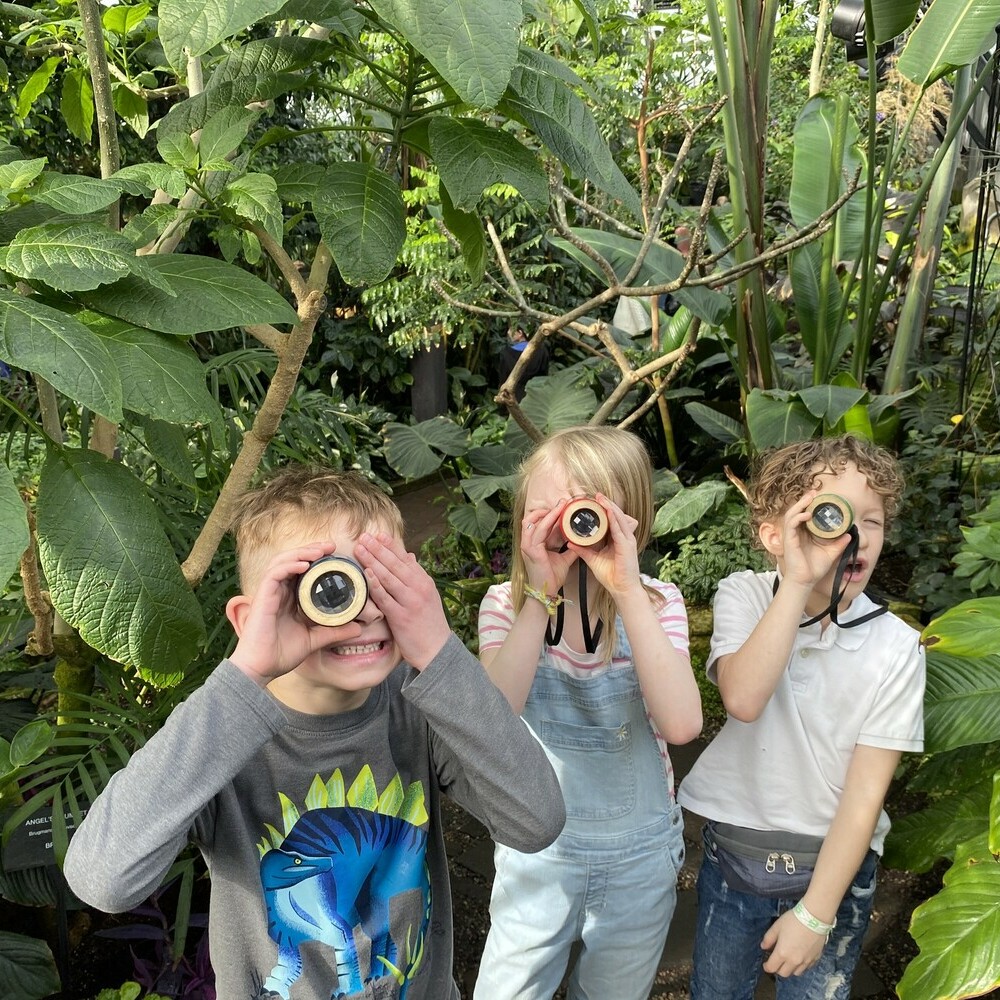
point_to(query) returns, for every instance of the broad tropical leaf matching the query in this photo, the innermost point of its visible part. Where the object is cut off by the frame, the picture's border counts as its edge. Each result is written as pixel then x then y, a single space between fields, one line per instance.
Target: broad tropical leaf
pixel 17 175
pixel 77 257
pixel 958 930
pixel 209 294
pixel 951 33
pixel 361 216
pixel 264 56
pixel 192 27
pixel 27 967
pixel 830 402
pixel 75 194
pixel 14 536
pixel 564 123
pixel 467 228
pixel 111 570
pixel 473 45
pixel 962 701
pixel 891 18
pixel 552 402
pixel 161 376
pixel 971 628
pixel 473 156
pixel 60 349
pixel 416 450
pixel 688 506
pixel 478 520
pixel 775 418
pixel 721 426
pixel 481 488
pixel 919 840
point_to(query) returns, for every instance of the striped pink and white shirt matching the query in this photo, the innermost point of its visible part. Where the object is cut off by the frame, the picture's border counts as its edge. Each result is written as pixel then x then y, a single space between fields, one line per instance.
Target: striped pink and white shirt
pixel 496 616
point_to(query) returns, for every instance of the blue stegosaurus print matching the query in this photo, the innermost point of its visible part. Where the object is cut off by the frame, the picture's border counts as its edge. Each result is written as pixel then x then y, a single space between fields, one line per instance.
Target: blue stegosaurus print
pixel 349 872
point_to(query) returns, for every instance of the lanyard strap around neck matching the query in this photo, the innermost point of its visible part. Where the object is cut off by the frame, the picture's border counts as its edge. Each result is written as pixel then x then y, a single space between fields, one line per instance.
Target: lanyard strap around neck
pixel 837 592
pixel 553 633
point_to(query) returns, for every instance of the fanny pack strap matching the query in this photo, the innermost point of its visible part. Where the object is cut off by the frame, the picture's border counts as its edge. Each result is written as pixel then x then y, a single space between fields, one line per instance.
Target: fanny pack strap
pixel 766 845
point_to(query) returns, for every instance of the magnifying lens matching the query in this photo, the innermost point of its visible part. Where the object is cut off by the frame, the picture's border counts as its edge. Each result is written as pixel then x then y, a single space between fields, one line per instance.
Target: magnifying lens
pixel 332 591
pixel 830 516
pixel 584 522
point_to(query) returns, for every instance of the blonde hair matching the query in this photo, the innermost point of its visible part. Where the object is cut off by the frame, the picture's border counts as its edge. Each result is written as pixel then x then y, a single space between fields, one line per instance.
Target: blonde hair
pixel 606 460
pixel 307 499
pixel 782 475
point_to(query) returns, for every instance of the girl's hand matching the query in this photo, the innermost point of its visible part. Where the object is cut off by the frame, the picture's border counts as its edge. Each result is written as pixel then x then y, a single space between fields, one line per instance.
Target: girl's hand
pixel 546 558
pixel 615 564
pixel 274 636
pixel 793 948
pixel 807 559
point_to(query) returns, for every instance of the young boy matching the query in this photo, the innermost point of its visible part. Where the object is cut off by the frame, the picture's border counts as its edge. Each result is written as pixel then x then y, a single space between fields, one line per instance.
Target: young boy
pixel 309 768
pixel 824 691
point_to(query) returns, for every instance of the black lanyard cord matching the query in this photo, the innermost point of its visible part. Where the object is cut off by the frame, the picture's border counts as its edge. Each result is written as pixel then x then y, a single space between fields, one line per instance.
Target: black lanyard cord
pixel 837 592
pixel 553 633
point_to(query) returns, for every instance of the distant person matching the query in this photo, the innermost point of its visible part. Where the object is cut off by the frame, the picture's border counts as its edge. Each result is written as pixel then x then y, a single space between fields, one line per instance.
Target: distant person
pixel 594 655
pixel 309 768
pixel 537 365
pixel 824 690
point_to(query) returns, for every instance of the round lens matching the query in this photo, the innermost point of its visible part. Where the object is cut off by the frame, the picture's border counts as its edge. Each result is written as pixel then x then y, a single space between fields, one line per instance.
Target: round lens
pixel 828 517
pixel 332 592
pixel 584 522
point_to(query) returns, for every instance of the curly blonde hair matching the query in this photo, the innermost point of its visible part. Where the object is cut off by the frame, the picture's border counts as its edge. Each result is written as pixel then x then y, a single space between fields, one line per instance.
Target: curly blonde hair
pixel 781 475
pixel 304 499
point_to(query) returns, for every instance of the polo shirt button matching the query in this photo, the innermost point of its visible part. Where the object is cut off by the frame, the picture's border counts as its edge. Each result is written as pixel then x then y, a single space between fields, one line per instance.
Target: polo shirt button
pixel 804 653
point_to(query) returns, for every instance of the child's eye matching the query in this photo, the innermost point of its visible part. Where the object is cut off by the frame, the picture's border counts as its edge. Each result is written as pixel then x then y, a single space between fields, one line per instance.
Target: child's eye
pixel 873 522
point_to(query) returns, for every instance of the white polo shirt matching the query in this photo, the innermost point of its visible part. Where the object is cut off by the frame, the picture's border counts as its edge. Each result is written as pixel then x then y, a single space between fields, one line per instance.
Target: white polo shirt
pixel 844 687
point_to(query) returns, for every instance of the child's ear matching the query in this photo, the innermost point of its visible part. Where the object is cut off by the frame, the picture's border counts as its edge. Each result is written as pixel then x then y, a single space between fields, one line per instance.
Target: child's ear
pixel 237 609
pixel 770 537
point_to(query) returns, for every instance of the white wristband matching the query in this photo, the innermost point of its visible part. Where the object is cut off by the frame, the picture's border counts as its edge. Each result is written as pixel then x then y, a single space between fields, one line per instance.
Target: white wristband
pixel 814 924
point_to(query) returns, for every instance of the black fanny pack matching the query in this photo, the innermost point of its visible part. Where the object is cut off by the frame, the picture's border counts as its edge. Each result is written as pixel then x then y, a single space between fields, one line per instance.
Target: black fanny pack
pixel 770 863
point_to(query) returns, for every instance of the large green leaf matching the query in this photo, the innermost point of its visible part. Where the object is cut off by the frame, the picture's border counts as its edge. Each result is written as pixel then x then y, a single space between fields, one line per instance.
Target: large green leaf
pixel 224 131
pixel 661 265
pixel 971 628
pixel 830 402
pixel 77 257
pixel 161 376
pixel 27 967
pixel 473 45
pixel 688 506
pixel 75 194
pixel 17 175
pixel 952 33
pixel 298 182
pixel 77 103
pixel 467 228
pixel 776 417
pixel 891 18
pixel 192 27
pixel 209 294
pixel 958 931
pixel 110 568
pixel 473 156
pixel 919 840
pixel 564 123
pixel 720 425
pixel 361 216
pixel 60 349
pixel 478 520
pixel 268 56
pixel 13 526
pixel 962 701
pixel 255 197
pixel 480 488
pixel 340 16
pixel 416 450
pixel 552 402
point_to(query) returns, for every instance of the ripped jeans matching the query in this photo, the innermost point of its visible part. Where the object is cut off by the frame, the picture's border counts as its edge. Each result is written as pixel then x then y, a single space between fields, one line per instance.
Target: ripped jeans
pixel 728 960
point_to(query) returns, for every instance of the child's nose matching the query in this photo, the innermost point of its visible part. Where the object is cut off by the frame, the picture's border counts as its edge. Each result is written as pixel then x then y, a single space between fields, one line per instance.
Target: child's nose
pixel 369 613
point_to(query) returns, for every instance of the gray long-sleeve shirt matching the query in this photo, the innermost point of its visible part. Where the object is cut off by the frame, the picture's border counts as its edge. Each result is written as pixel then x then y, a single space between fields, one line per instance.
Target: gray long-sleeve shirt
pixel 322 834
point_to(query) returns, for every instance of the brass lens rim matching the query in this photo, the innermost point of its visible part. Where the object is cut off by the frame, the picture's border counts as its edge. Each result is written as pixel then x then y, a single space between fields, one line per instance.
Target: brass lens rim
pixel 332 564
pixel 833 500
pixel 590 505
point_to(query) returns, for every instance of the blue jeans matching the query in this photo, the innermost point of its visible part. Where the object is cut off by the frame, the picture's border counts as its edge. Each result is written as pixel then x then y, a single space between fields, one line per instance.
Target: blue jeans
pixel 728 960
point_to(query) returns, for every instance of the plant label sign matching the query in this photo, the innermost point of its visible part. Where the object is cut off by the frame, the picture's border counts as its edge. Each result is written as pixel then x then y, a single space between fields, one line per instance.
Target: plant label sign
pixel 30 843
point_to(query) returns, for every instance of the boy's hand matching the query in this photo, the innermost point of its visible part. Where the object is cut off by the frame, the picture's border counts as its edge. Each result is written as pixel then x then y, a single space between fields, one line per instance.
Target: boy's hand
pixel 615 564
pixel 794 948
pixel 807 559
pixel 274 637
pixel 405 593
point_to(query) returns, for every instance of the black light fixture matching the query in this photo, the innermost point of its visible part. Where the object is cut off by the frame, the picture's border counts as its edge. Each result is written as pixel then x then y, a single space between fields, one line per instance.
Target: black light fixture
pixel 848 23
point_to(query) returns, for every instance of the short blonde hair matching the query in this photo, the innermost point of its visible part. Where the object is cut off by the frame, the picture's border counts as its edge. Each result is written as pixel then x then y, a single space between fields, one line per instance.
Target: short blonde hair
pixel 608 460
pixel 306 499
pixel 781 475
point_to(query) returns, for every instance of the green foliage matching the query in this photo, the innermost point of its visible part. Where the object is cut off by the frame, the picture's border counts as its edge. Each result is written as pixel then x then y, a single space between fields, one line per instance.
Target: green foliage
pixel 27 967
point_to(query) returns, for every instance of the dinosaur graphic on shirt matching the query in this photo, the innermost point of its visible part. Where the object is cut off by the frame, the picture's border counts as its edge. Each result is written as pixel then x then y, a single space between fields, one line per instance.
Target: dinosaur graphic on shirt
pixel 349 872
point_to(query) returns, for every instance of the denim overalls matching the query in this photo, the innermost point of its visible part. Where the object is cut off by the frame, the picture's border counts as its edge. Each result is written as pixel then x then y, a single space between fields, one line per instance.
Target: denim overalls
pixel 609 880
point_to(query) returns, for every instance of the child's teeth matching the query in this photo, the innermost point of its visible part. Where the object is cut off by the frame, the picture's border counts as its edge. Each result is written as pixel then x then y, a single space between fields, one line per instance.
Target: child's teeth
pixel 369 647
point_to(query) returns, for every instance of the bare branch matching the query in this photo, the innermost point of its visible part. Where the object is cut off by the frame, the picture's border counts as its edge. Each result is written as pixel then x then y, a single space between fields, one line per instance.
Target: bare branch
pixel 267 335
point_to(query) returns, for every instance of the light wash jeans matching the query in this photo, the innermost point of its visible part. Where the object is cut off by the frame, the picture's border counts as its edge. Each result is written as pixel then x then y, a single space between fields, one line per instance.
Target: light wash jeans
pixel 609 880
pixel 728 960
